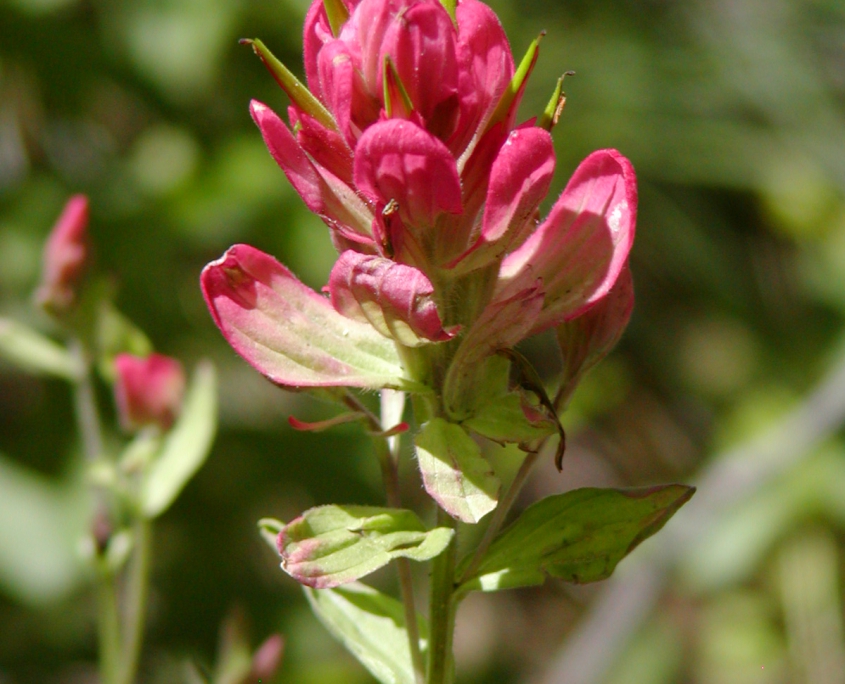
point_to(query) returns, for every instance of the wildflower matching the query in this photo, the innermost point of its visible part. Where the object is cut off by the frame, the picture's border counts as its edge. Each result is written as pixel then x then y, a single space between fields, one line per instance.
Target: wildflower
pixel 148 391
pixel 405 144
pixel 65 258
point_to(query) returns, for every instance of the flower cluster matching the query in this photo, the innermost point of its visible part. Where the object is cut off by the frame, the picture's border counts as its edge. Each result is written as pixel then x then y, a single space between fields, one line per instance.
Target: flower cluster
pixel 405 143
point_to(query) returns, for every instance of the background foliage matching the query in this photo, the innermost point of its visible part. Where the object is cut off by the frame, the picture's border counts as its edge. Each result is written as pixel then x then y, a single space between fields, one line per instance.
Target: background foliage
pixel 733 113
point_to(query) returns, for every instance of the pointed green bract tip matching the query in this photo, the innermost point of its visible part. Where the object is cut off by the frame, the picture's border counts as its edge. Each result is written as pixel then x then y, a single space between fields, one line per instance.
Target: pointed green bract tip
pixel 296 91
pixel 554 109
pixel 395 93
pixel 450 6
pixel 517 83
pixel 337 14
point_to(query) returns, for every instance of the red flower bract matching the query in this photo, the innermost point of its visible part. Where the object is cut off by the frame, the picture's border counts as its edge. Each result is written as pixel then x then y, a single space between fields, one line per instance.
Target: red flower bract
pixel 406 147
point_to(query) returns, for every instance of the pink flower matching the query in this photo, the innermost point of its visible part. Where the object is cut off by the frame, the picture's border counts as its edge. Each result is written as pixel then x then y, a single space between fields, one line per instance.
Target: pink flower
pixel 65 257
pixel 148 391
pixel 405 144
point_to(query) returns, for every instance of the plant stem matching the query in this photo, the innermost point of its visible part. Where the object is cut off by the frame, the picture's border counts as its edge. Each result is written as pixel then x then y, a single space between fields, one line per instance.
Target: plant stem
pixel 85 404
pixel 387 450
pixel 108 627
pixel 442 609
pixel 136 599
pixel 501 513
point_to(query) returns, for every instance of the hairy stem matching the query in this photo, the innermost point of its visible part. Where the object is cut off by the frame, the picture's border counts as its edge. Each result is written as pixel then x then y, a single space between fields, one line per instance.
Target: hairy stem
pixel 442 610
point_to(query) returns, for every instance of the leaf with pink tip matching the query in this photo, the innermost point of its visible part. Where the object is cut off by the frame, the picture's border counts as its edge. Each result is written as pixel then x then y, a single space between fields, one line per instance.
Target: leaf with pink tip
pixel 332 545
pixel 519 180
pixel 587 339
pixel 323 193
pixel 454 472
pixel 582 246
pixel 398 160
pixel 291 334
pixel 397 300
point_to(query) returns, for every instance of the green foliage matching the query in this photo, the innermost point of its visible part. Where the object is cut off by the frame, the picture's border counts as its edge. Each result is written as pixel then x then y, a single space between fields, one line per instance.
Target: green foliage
pixel 332 545
pixel 371 625
pixel 579 536
pixel 186 445
pixel 32 352
pixel 42 522
pixel 455 473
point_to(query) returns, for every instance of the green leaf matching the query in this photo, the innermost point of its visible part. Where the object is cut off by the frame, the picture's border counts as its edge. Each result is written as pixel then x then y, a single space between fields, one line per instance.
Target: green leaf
pixel 454 472
pixel 42 521
pixel 372 626
pixel 332 545
pixel 579 536
pixel 185 447
pixel 505 416
pixel 33 352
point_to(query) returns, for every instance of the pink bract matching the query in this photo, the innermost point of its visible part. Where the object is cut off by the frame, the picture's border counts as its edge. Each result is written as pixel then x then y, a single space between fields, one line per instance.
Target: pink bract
pixel 148 391
pixel 65 257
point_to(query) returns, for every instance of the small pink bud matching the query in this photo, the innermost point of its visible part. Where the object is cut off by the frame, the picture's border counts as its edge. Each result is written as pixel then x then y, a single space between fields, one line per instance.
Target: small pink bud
pixel 148 390
pixel 65 257
pixel 267 658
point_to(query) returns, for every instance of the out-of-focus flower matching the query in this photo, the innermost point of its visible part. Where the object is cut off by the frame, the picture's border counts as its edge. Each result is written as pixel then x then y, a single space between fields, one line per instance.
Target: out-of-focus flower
pixel 148 391
pixel 267 659
pixel 66 253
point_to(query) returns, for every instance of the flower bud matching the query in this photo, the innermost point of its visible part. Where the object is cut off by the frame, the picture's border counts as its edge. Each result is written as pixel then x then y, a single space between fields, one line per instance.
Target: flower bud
pixel 267 658
pixel 148 391
pixel 65 257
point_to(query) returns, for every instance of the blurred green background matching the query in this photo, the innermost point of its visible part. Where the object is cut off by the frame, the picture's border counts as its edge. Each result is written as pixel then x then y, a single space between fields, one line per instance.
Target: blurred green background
pixel 730 375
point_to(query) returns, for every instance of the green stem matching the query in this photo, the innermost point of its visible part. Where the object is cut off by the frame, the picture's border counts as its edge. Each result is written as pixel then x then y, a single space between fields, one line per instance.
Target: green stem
pixel 108 625
pixel 389 461
pixel 136 600
pixel 442 610
pixel 501 513
pixel 85 404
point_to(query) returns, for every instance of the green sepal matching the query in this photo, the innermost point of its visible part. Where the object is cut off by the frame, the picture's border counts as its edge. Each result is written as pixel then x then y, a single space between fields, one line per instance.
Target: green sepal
pixel 502 415
pixel 579 536
pixel 337 14
pixel 372 627
pixel 186 445
pixel 517 84
pixel 455 473
pixel 332 545
pixel 295 89
pixel 33 352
